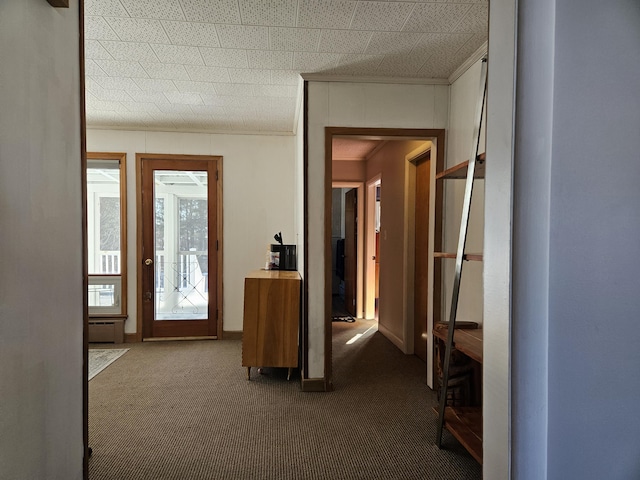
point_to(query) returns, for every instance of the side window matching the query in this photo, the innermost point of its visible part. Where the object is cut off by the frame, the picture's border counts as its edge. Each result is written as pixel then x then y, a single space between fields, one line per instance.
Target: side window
pixel 106 234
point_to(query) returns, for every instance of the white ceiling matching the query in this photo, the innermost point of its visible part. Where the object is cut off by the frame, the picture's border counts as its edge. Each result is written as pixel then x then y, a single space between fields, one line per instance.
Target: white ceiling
pixel 352 148
pixel 234 65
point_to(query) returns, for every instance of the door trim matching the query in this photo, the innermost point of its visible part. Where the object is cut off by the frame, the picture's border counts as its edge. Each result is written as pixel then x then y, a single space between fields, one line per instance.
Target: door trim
pixel 437 136
pixel 219 232
pixel 359 186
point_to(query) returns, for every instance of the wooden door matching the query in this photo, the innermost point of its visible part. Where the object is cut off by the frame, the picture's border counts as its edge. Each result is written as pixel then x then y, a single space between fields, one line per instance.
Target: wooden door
pixel 179 246
pixel 423 170
pixel 350 250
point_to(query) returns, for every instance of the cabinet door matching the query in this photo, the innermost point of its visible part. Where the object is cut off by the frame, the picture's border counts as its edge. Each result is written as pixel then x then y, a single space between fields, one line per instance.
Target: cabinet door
pixel 270 329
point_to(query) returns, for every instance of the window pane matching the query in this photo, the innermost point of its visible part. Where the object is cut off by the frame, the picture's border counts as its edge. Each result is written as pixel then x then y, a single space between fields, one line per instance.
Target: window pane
pixel 103 216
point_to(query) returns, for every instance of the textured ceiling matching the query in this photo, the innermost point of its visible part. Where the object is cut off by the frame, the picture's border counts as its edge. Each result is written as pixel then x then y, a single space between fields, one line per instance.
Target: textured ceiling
pixel 234 65
pixel 351 148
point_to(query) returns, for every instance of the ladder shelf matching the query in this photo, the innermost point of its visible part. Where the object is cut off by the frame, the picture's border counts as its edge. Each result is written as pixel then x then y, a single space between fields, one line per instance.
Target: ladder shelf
pixel 474 257
pixel 464 422
pixel 459 171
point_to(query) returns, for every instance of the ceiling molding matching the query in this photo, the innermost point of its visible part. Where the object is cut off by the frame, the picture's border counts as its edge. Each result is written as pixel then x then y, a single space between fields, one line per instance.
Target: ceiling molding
pixel 376 150
pixel 299 105
pixel 59 3
pixel 186 130
pixel 469 62
pixel 323 77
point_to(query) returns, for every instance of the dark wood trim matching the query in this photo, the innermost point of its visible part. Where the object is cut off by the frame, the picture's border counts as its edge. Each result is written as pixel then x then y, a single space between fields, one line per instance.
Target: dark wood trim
pixel 132 338
pixel 328 180
pixel 85 260
pixel 305 201
pixel 219 249
pixel 60 4
pixel 233 335
pixel 313 385
pixel 437 136
pixel 436 281
pixel 215 218
pixel 121 157
pixel 139 257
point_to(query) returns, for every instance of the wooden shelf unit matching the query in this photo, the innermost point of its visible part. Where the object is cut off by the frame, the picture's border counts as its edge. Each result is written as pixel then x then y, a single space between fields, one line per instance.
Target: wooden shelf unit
pixel 464 423
pixel 465 340
pixel 459 171
pixel 473 257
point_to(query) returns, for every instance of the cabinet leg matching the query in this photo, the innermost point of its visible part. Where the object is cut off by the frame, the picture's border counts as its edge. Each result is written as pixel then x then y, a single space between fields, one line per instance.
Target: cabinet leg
pixel 289 374
pixel 248 373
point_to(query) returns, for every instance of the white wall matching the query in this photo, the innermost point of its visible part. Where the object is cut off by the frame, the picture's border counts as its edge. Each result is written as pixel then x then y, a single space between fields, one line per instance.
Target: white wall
pixel 531 238
pixel 353 105
pixel 573 321
pixel 594 247
pixel 496 409
pixel 41 293
pixel 299 185
pixel 463 99
pixel 397 240
pixel 259 194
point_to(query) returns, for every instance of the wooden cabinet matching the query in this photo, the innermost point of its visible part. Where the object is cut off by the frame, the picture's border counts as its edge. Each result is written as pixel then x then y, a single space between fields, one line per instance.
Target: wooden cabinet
pixel 271 319
pixel 465 422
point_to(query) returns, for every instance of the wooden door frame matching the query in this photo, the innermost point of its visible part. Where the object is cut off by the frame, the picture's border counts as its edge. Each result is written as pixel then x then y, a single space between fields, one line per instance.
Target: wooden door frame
pixel 434 288
pixel 370 248
pixel 359 186
pixel 437 136
pixel 219 234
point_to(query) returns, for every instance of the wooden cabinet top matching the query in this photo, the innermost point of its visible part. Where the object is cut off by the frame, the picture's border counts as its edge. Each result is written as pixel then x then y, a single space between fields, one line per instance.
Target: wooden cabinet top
pixel 274 274
pixel 468 341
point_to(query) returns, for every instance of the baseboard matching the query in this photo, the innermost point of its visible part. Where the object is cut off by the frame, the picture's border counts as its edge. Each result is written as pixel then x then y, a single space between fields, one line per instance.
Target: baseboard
pixel 314 385
pixel 397 341
pixel 232 335
pixel 131 338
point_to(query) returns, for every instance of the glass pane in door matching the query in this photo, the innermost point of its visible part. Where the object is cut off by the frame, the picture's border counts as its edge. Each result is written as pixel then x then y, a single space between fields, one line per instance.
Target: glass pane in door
pixel 181 245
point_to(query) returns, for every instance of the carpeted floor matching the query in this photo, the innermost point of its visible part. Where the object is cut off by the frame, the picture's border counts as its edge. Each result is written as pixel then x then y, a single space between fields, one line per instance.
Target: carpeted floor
pixel 185 410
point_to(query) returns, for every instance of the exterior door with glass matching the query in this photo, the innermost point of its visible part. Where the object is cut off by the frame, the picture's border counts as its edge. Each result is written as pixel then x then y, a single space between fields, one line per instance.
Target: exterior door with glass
pixel 179 246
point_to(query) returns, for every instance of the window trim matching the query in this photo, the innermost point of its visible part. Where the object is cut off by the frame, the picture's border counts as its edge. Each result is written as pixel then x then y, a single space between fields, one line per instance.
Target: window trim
pixel 121 158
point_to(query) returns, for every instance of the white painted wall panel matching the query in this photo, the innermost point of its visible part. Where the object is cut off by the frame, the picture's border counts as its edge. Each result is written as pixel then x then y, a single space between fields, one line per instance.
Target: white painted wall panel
pixel 594 254
pixel 399 106
pixel 497 241
pixel 347 104
pixel 387 106
pixel 464 94
pixel 41 291
pixel 259 193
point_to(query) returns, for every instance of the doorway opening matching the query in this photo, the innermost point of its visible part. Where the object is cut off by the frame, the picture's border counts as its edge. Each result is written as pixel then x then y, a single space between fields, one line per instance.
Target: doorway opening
pixel 393 226
pixel 347 251
pixel 179 246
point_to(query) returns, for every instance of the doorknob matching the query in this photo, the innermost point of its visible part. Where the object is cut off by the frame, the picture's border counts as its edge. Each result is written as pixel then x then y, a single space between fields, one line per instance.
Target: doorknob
pixel 148 262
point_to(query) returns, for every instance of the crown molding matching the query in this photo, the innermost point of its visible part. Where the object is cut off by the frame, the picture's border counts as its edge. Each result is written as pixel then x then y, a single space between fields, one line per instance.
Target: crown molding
pixel 468 63
pixel 186 130
pixel 323 77
pixel 299 104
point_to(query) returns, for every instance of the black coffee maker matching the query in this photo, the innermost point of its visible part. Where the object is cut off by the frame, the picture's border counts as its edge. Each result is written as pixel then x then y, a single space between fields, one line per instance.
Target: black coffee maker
pixel 283 257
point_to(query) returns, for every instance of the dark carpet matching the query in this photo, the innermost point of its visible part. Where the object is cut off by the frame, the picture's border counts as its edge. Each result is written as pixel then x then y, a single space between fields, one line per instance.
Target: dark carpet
pixel 185 410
